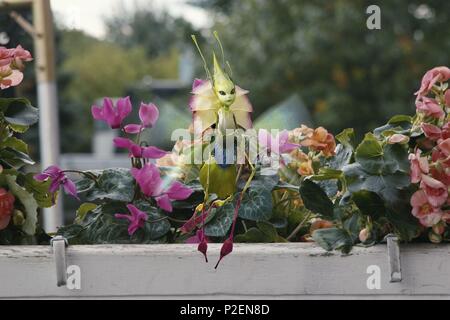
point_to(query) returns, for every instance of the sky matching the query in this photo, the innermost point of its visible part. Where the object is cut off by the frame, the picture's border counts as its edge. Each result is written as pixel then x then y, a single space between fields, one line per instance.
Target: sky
pixel 88 15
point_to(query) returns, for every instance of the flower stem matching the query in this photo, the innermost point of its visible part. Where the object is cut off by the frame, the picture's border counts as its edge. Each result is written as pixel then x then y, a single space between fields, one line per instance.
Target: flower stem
pixel 297 229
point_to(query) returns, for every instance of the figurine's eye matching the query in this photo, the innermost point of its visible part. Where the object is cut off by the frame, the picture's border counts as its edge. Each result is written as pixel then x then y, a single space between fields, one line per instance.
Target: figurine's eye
pixel 222 93
pixel 233 91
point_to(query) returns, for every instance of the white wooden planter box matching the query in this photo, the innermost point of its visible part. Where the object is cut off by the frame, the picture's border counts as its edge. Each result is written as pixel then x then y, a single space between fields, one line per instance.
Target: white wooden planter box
pixel 252 271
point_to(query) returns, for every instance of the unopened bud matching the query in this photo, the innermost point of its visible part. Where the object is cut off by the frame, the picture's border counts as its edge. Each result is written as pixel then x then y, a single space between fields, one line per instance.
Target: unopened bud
pixel 434 237
pixel 364 234
pixel 398 138
pixel 439 228
pixel 18 218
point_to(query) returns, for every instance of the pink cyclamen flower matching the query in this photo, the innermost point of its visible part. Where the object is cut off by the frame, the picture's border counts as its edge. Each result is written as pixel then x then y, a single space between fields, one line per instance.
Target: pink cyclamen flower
pixel 279 144
pixel 435 190
pixel 113 116
pixel 137 151
pixel 431 131
pixel 151 184
pixel 419 165
pixel 429 107
pixel 423 210
pixel 438 74
pixel 58 178
pixel 149 114
pixel 137 218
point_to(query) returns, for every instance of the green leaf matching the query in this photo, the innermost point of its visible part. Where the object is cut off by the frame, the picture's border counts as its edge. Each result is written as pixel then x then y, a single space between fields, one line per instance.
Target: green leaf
pixel 405 225
pixel 114 184
pixel 369 203
pixel 19 112
pixel 84 185
pixel 15 156
pixel 39 190
pixel 333 239
pixel 315 199
pixel 268 229
pixel 396 158
pixel 256 205
pixel 221 221
pixel 398 124
pixel 400 119
pixel 83 210
pixel 347 138
pixel 16 144
pixel 387 186
pixel 342 157
pixel 327 174
pixel 253 235
pixel 369 154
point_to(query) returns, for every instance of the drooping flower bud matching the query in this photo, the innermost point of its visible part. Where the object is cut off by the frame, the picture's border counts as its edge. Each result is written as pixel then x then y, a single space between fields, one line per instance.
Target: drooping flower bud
pixel 203 248
pixel 227 248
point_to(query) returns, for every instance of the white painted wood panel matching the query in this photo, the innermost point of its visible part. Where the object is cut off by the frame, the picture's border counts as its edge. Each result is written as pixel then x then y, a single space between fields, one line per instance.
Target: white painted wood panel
pixel 252 271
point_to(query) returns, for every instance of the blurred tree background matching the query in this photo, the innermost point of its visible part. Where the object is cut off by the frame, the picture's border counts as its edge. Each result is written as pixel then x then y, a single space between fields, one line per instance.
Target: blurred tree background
pixel 347 75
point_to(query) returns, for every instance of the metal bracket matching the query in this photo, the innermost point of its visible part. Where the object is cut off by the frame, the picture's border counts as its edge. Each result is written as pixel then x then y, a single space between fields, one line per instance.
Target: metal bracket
pixel 393 251
pixel 59 244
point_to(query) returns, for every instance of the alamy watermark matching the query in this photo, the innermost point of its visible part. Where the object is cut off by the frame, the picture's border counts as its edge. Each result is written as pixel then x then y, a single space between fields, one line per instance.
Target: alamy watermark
pixel 73 277
pixel 373 282
pixel 374 20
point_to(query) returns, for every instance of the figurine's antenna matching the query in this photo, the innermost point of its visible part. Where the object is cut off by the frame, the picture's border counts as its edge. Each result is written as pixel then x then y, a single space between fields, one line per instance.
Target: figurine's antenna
pixel 216 35
pixel 229 67
pixel 205 65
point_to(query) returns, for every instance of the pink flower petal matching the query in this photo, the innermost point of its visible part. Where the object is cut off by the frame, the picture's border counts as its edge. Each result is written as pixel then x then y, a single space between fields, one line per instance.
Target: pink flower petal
pixel 447 98
pixel 123 108
pixel 149 114
pixel 178 191
pixel 444 146
pixel 164 203
pixel 97 112
pixel 123 143
pixel 70 188
pixel 431 131
pixel 133 128
pixel 153 153
pixel 108 113
pixel 123 216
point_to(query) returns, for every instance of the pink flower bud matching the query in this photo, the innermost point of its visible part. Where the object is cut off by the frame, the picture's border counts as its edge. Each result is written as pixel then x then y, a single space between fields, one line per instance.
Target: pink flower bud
pixel 398 138
pixel 364 234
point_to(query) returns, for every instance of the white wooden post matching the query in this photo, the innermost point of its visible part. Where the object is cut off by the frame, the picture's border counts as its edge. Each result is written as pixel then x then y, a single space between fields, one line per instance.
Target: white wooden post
pixel 47 99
